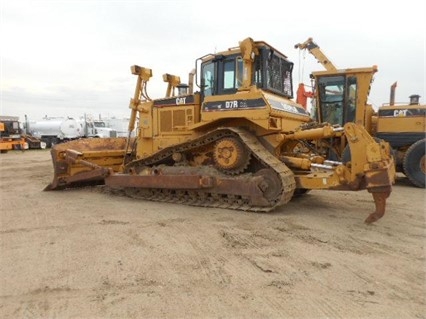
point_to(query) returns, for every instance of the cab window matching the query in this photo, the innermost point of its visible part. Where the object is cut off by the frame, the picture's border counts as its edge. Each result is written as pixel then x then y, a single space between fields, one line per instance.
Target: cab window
pixel 208 78
pixel 229 75
pixel 232 74
pixel 351 99
pixel 338 98
pixel 331 93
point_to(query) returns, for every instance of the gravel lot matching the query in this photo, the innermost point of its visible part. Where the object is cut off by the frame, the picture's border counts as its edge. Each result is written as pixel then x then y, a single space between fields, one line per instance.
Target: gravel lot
pixel 83 253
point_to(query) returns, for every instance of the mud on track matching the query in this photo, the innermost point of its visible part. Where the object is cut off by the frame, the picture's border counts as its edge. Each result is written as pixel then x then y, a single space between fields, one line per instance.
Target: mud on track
pixel 83 253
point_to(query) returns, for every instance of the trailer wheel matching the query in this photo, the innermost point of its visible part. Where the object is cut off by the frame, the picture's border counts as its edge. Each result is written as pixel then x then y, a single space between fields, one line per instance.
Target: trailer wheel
pixel 415 163
pixel 47 141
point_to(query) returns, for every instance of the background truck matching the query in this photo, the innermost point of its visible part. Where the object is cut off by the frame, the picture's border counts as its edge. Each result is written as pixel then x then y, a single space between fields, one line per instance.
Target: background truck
pixel 97 128
pixel 341 96
pixel 54 130
pixel 240 142
pixel 11 137
pixel 120 125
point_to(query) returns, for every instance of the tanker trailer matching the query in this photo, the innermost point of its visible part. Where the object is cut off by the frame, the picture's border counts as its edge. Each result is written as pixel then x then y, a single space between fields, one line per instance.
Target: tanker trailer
pixel 54 130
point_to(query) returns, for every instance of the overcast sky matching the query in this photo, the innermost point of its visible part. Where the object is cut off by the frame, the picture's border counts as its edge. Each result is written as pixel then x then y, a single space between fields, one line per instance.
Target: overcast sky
pixel 67 58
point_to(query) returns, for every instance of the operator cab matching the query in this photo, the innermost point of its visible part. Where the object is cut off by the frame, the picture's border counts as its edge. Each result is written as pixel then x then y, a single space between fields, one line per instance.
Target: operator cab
pixel 223 73
pixel 337 97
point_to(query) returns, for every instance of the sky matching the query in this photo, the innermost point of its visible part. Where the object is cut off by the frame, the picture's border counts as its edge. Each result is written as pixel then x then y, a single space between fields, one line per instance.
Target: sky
pixel 69 58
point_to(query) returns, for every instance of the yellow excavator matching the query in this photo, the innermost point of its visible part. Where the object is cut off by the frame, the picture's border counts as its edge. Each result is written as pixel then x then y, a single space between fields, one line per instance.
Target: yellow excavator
pixel 238 142
pixel 340 97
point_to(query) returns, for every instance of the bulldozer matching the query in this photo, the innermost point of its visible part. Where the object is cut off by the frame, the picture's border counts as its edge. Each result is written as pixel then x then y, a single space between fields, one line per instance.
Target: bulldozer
pixel 341 96
pixel 239 141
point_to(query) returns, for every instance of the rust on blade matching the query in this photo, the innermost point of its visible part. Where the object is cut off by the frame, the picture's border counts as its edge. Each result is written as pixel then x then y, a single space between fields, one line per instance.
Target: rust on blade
pixel 86 162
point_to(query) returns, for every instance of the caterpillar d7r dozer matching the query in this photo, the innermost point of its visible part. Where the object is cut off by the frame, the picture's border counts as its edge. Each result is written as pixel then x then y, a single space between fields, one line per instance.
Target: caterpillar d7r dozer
pixel 240 142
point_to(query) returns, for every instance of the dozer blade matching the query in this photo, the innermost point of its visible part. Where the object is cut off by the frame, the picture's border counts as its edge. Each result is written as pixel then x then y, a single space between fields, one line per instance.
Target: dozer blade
pixel 86 161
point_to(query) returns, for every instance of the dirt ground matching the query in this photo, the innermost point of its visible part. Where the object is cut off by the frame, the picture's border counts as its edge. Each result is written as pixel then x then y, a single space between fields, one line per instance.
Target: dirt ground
pixel 82 253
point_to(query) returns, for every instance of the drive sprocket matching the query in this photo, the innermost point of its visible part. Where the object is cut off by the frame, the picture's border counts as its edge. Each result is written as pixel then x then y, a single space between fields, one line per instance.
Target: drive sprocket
pixel 231 156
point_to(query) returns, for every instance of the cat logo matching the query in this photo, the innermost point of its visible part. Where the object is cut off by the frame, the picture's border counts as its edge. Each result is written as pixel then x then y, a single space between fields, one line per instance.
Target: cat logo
pixel 180 100
pixel 400 113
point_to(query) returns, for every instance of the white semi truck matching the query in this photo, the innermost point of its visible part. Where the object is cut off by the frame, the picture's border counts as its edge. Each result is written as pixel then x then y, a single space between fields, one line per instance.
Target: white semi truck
pixel 99 128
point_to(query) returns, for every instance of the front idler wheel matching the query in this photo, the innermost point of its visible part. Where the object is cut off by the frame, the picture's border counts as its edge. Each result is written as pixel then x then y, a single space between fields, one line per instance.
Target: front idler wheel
pixel 271 185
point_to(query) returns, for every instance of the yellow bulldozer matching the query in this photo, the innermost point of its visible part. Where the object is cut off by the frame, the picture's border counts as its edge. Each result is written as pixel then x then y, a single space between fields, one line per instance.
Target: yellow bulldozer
pixel 341 97
pixel 239 142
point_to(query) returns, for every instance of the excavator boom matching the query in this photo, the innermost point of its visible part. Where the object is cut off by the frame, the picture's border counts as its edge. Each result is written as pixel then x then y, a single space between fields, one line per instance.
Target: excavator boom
pixel 315 50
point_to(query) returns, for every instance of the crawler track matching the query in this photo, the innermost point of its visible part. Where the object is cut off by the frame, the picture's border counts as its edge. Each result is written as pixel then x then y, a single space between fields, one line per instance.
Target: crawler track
pixel 277 193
